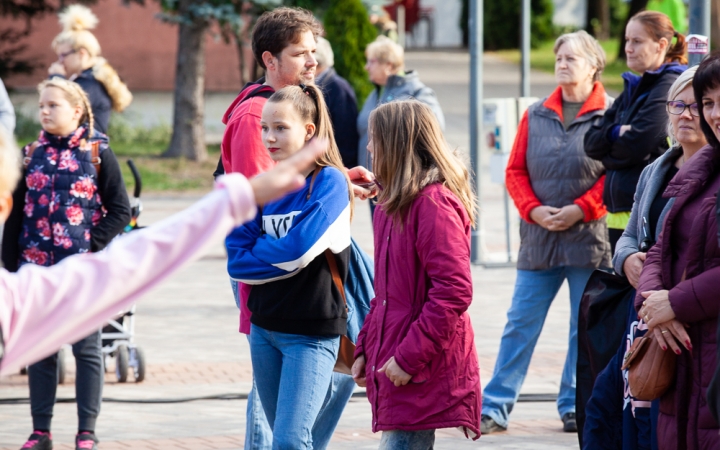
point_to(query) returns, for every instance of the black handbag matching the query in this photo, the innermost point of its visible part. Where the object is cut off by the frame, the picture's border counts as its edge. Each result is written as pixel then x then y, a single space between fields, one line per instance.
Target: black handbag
pixel 601 327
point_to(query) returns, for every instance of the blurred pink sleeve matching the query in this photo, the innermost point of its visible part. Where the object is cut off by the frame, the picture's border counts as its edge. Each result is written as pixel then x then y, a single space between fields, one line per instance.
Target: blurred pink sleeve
pixel 42 308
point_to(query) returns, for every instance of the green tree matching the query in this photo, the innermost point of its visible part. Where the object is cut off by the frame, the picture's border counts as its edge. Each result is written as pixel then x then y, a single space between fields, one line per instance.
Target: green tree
pixel 349 30
pixel 502 23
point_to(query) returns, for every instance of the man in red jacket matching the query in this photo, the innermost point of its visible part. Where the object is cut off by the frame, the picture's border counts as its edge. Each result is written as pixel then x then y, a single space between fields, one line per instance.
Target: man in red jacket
pixel 284 42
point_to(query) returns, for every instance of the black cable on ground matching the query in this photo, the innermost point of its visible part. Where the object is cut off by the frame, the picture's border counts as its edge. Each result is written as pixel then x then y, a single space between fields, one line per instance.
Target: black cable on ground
pixel 524 398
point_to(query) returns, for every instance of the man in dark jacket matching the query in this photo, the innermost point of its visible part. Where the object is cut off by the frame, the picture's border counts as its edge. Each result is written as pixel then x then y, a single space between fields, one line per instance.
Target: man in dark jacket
pixel 341 101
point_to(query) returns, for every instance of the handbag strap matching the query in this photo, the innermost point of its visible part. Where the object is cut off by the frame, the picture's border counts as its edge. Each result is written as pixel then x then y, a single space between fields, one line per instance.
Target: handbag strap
pixel 332 263
pixel 335 274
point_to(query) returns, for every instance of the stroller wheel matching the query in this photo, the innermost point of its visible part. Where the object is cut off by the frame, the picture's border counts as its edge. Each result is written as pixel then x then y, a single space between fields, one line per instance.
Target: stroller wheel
pixel 139 366
pixel 121 363
pixel 61 365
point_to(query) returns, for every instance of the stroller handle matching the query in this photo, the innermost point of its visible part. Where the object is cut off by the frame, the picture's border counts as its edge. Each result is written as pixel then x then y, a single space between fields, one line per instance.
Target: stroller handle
pixel 136 176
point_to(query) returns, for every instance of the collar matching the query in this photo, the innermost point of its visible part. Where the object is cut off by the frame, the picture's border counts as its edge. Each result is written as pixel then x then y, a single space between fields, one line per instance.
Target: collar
pixel 596 101
pixel 693 175
pixel 63 142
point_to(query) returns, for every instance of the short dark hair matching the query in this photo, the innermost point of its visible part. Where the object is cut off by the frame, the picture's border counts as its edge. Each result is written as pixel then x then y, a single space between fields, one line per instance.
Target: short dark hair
pixel 281 27
pixel 707 77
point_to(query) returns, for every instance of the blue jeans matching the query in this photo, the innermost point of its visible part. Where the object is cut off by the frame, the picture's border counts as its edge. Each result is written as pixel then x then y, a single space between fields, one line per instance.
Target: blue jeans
pixel 535 291
pixel 407 440
pixel 258 434
pixel 296 375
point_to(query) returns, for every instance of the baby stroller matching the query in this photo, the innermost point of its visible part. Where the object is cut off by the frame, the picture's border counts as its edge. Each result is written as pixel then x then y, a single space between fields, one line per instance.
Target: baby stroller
pixel 118 334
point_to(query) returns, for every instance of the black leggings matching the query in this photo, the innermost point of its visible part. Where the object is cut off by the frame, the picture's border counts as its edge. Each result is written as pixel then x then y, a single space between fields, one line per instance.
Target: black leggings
pixel 43 380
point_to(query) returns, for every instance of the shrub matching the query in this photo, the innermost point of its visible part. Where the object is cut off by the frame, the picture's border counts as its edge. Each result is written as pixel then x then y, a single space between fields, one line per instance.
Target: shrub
pixel 349 30
pixel 502 23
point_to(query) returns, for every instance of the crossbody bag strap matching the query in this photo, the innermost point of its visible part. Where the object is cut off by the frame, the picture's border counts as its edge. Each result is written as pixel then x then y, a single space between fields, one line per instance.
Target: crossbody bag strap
pixel 312 182
pixel 335 274
pixel 95 155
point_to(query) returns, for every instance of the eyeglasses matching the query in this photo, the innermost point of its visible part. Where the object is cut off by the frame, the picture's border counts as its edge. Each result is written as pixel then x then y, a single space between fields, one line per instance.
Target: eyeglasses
pixel 62 56
pixel 677 108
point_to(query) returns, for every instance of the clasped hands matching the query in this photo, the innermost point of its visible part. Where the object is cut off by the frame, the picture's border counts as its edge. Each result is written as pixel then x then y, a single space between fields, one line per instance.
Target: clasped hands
pixel 557 219
pixel 391 369
pixel 657 313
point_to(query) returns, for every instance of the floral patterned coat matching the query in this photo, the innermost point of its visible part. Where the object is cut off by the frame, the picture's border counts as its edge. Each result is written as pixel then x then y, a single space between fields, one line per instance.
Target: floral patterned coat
pixel 62 202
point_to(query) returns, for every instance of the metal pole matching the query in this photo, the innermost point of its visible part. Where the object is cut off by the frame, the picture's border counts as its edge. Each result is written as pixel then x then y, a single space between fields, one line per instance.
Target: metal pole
pixel 525 49
pixel 401 25
pixel 476 103
pixel 699 24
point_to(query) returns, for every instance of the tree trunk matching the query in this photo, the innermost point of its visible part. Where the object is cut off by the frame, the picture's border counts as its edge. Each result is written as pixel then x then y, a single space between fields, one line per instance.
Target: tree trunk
pixel 635 7
pixel 188 138
pixel 715 24
pixel 598 19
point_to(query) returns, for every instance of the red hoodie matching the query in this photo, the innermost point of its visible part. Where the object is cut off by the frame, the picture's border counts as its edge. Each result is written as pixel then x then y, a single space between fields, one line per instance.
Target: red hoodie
pixel 243 151
pixel 242 147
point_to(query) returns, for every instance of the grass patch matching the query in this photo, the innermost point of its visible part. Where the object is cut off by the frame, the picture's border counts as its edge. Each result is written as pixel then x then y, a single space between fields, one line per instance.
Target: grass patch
pixel 144 146
pixel 160 174
pixel 543 58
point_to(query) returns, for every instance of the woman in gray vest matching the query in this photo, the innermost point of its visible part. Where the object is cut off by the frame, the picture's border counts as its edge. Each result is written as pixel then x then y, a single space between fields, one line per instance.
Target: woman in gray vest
pixel 558 192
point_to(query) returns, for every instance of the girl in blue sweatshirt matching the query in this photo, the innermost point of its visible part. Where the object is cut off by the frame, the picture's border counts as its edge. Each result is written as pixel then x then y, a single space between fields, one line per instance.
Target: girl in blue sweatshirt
pixel 298 315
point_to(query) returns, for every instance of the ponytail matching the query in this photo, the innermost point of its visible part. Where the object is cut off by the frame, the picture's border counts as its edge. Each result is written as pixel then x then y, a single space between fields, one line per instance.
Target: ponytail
pixel 676 52
pixel 117 90
pixel 309 102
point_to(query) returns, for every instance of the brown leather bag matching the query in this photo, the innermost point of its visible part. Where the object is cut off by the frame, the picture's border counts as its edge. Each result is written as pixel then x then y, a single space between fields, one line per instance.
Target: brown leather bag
pixel 346 353
pixel 651 370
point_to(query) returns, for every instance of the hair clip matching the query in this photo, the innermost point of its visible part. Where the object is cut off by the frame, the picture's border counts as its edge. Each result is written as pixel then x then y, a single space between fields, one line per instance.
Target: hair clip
pixel 305 89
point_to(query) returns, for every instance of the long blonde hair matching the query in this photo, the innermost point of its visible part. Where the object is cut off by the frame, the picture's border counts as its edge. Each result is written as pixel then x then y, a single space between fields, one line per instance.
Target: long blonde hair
pixel 309 102
pixel 77 21
pixel 409 154
pixel 75 95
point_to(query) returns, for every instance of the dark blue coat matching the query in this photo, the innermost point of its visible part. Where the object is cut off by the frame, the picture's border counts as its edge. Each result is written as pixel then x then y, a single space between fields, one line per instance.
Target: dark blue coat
pixel 614 419
pixel 342 104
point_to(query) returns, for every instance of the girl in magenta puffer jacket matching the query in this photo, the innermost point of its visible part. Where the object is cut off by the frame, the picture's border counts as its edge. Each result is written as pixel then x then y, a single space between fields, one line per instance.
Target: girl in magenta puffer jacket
pixel 416 352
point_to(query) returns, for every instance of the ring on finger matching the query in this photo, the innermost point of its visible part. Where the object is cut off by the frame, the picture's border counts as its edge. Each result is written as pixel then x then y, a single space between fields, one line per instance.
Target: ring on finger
pixel 664 331
pixel 645 318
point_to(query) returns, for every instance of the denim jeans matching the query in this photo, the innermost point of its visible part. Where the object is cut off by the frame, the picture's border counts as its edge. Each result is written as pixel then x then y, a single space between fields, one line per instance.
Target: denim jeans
pixel 407 440
pixel 89 378
pixel 296 374
pixel 535 291
pixel 258 434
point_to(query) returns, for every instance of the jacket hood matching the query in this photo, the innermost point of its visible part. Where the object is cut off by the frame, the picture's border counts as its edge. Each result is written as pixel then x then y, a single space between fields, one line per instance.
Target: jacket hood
pixel 693 175
pixel 249 88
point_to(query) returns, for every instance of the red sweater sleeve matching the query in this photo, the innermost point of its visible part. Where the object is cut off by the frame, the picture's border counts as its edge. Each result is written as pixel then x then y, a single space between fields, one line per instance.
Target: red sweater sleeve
pixel 517 179
pixel 242 147
pixel 591 202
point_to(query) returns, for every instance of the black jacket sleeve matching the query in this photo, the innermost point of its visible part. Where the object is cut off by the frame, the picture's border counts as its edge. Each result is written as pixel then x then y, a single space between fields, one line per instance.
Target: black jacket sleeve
pixel 597 144
pixel 646 140
pixel 115 200
pixel 13 228
pixel 343 109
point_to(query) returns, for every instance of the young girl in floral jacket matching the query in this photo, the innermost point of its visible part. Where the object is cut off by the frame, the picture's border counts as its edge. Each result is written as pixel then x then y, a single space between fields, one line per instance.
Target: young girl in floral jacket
pixel 74 202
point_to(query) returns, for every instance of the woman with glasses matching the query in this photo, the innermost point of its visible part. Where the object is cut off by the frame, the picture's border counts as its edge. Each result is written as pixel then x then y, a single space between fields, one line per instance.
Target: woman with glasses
pixel 79 60
pixel 611 413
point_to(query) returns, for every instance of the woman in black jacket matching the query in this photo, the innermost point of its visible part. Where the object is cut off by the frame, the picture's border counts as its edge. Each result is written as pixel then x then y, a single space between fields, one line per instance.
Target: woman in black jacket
pixel 79 60
pixel 633 132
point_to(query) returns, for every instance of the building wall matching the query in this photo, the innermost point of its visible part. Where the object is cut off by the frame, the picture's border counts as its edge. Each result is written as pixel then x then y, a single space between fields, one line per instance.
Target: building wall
pixel 141 48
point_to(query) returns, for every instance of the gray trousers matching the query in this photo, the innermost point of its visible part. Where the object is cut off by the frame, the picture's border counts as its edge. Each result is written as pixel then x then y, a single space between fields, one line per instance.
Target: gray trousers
pixel 43 380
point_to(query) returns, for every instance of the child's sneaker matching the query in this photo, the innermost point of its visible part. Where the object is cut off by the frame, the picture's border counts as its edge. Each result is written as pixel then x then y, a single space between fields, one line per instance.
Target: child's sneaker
pixel 86 441
pixel 38 440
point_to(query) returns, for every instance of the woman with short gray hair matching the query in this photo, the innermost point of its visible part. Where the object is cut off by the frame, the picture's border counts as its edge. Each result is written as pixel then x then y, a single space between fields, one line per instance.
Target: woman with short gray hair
pixel 558 192
pixel 386 69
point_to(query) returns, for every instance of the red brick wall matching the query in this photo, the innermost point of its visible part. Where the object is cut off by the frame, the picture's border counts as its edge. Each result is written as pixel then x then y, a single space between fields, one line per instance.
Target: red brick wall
pixel 140 47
